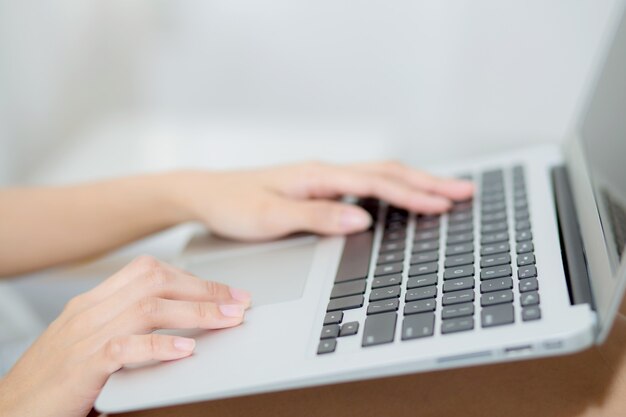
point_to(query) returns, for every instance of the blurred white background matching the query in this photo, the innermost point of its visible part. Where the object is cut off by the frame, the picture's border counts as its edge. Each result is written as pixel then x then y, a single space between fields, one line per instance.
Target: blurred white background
pixel 95 88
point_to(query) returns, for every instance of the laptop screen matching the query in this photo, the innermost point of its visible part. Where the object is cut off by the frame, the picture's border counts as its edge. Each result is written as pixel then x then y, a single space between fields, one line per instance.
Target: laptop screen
pixel 603 133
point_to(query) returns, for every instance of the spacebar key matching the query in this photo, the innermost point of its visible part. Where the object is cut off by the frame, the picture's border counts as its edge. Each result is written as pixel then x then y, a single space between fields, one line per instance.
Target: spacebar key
pixel 355 260
pixel 379 328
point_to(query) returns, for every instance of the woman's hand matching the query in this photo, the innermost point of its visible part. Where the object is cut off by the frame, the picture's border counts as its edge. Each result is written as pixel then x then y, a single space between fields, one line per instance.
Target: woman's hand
pixel 111 326
pixel 272 202
pixel 46 226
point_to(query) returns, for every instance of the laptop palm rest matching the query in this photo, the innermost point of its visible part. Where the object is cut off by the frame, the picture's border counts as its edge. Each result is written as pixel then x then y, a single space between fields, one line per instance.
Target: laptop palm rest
pixel 272 272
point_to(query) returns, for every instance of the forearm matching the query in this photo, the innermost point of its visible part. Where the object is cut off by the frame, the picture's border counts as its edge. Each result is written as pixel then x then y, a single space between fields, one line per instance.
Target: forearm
pixel 42 227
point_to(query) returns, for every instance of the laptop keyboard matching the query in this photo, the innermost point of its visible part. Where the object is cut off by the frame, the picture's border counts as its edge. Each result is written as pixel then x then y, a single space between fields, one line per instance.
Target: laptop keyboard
pixel 473 287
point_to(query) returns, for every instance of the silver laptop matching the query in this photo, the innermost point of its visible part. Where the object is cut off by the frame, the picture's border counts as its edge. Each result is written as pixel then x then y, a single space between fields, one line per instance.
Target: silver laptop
pixel 533 266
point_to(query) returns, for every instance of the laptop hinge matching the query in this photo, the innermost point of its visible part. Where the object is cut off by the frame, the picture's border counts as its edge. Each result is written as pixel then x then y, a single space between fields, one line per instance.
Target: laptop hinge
pixel 572 249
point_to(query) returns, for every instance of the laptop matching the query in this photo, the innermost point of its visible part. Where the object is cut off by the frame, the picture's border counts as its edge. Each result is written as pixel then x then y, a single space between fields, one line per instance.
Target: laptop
pixel 532 266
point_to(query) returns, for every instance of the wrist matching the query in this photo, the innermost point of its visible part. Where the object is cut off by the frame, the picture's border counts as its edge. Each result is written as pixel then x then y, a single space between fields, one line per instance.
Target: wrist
pixel 176 190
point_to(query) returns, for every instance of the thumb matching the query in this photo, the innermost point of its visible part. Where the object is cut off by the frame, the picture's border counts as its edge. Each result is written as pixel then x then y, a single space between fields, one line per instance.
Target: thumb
pixel 324 217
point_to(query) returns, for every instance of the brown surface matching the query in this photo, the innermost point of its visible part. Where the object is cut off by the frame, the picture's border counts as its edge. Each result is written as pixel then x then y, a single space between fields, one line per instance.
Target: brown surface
pixel 591 383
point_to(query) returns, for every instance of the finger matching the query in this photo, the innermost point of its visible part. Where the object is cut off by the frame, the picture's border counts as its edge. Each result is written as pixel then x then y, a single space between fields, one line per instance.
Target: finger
pixel 317 216
pixel 154 313
pixel 167 284
pixel 126 350
pixel 148 276
pixel 451 188
pixel 327 181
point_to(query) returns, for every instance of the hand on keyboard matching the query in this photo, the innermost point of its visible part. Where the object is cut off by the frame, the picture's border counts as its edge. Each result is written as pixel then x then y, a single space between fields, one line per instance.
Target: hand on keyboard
pixel 273 202
pixel 111 326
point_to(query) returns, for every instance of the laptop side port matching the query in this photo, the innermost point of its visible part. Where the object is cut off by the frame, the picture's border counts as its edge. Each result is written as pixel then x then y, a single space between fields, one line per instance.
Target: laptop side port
pixel 518 350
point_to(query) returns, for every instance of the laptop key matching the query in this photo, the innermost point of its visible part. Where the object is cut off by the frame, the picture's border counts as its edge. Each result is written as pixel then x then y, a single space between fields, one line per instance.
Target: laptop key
pixel 497 315
pixel 528 271
pixel 418 325
pixel 343 289
pixel 382 306
pixel 495 248
pixel 391 247
pixel 523 235
pixel 421 293
pixel 529 298
pixel 524 247
pixel 420 258
pixel 459 272
pixel 420 306
pixel 394 235
pixel 531 313
pixel 495 260
pixel 355 259
pixel 530 284
pixel 459 249
pixel 422 281
pixel 385 293
pixel 387 280
pixel 330 331
pixel 460 228
pixel 498 297
pixel 521 215
pixel 459 260
pixel 496 216
pixel 491 207
pixel 423 269
pixel 493 198
pixel 460 238
pixel 426 235
pixel 379 329
pixel 391 257
pixel 457 297
pixel 458 284
pixel 496 272
pixel 426 246
pixel 346 303
pixel 349 329
pixel 333 318
pixel 327 346
pixel 388 269
pixel 522 225
pixel 494 227
pixel 494 238
pixel 423 224
pixel 497 284
pixel 457 325
pixel 457 310
pixel 461 216
pixel 525 259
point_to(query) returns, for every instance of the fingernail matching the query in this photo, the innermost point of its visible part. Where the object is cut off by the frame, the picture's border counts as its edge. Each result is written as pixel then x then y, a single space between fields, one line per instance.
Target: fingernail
pixel 232 310
pixel 354 219
pixel 240 295
pixel 184 344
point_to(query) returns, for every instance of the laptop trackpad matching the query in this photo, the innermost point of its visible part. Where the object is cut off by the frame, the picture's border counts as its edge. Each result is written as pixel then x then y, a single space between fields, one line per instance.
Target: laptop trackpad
pixel 273 272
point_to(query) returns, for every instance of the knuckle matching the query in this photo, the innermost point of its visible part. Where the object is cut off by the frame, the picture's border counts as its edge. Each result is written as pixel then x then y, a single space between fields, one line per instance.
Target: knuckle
pixel 324 214
pixel 153 343
pixel 393 166
pixel 157 277
pixel 145 263
pixel 203 311
pixel 74 304
pixel 114 350
pixel 148 306
pixel 268 218
pixel 392 163
pixel 212 288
